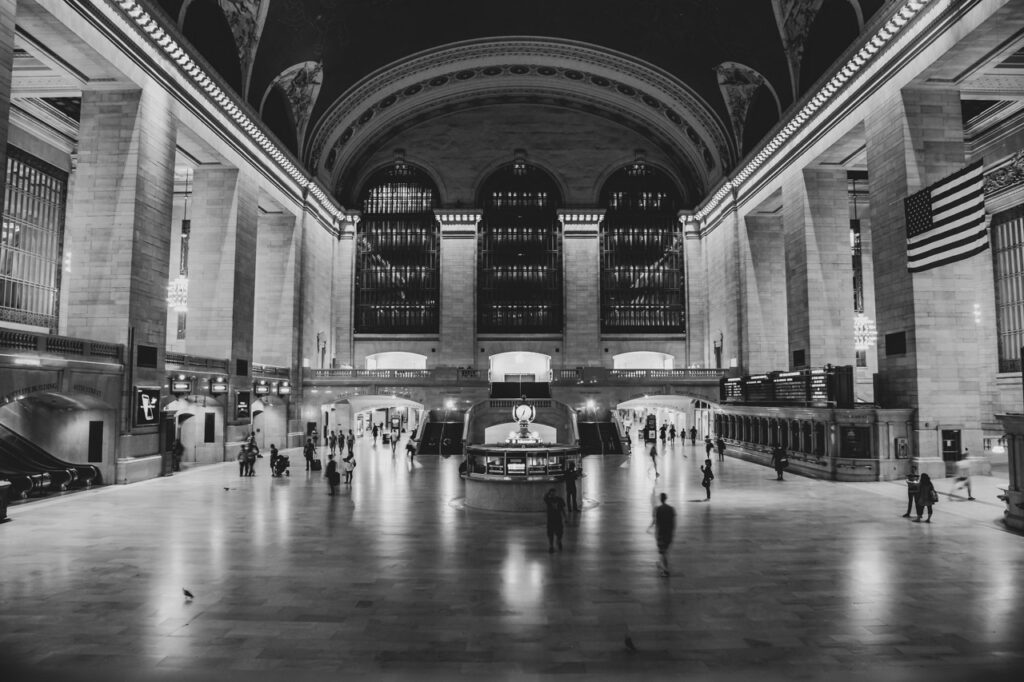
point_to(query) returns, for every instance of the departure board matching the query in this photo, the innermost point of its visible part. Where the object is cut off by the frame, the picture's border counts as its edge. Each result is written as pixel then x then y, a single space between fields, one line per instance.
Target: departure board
pixel 731 390
pixel 790 387
pixel 759 388
pixel 819 388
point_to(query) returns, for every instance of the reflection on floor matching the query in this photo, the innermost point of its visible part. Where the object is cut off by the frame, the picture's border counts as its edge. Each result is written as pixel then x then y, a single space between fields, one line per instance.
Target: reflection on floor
pixel 797 579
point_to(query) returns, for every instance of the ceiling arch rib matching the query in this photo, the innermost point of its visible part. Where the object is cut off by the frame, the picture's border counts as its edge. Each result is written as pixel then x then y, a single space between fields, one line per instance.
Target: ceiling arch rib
pixel 545 70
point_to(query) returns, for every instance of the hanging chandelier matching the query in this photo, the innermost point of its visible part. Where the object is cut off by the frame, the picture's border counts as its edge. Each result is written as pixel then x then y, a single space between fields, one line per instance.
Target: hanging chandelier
pixel 864 332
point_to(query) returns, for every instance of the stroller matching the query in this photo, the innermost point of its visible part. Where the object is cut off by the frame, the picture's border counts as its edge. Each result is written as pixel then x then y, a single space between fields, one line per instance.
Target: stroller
pixel 279 465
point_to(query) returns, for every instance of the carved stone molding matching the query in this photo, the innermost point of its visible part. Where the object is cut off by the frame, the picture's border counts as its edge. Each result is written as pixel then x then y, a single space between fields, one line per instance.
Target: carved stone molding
pixel 493 68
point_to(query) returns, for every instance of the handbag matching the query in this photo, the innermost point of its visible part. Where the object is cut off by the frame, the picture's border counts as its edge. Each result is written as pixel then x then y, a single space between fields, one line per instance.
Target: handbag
pixel 934 496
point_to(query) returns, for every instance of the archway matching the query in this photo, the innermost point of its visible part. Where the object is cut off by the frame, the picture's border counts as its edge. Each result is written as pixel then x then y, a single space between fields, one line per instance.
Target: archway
pixel 681 411
pixel 396 360
pixel 643 359
pixel 270 422
pixel 519 366
pixel 74 427
pixel 198 422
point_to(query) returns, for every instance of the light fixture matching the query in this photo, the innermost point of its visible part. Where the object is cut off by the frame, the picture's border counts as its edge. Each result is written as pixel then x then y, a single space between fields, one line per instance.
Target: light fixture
pixel 519 162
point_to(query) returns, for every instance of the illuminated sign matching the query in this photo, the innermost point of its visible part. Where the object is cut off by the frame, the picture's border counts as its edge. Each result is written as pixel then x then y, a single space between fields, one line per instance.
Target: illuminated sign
pixel 218 385
pixel 147 406
pixel 284 388
pixel 242 405
pixel 181 384
pixel 261 387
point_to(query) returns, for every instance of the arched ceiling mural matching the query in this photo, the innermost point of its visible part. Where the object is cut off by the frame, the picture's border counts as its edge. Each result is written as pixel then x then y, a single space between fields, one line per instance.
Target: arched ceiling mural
pixel 680 72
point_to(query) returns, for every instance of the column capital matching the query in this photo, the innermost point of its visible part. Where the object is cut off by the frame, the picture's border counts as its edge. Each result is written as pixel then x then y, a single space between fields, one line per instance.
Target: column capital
pixel 458 222
pixel 347 224
pixel 691 226
pixel 587 217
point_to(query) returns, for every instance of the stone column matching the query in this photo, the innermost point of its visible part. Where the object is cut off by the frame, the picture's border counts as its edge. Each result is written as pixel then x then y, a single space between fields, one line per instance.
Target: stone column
pixel 8 12
pixel 344 292
pixel 458 287
pixel 945 315
pixel 581 268
pixel 819 286
pixel 277 249
pixel 222 266
pixel 695 274
pixel 764 295
pixel 119 218
pixel 118 228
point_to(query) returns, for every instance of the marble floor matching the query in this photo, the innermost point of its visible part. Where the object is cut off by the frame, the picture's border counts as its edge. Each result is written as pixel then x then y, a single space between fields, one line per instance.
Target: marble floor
pixel 394 579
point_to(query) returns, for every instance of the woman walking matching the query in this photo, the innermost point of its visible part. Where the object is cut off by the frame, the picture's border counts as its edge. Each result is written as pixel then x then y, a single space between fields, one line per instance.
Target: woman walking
pixel 708 477
pixel 654 459
pixel 926 497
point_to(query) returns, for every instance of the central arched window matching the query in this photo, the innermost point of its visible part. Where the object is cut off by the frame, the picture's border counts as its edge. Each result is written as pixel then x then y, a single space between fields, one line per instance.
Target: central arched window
pixel 397 258
pixel 520 253
pixel 642 285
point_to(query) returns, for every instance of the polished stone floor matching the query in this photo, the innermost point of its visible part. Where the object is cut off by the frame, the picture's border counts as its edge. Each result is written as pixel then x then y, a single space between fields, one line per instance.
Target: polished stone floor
pixel 395 579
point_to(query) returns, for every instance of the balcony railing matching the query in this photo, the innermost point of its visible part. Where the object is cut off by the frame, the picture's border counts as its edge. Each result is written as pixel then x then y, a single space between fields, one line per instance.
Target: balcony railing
pixel 563 377
pixel 198 362
pixel 64 346
pixel 270 371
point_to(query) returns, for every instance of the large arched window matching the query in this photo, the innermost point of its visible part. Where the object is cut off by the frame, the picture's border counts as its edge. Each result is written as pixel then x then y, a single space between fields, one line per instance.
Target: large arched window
pixel 520 253
pixel 642 286
pixel 397 261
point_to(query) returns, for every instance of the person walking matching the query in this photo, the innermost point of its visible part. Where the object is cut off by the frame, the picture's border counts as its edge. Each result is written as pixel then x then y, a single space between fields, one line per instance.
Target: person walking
pixel 662 430
pixel 963 476
pixel 394 441
pixel 242 459
pixel 375 432
pixel 250 460
pixel 557 517
pixel 308 451
pixel 332 442
pixel 664 529
pixel 779 461
pixel 708 477
pixel 926 497
pixel 720 446
pixel 654 459
pixel 570 487
pixel 332 475
pixel 177 450
pixel 913 486
pixel 672 433
pixel 693 435
pixel 350 465
pixel 410 448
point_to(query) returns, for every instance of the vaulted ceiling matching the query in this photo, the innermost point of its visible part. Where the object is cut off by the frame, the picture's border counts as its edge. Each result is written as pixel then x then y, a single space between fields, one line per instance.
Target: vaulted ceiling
pixel 703 80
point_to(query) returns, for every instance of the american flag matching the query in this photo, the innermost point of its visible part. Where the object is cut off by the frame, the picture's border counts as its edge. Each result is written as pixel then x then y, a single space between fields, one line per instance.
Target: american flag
pixel 946 222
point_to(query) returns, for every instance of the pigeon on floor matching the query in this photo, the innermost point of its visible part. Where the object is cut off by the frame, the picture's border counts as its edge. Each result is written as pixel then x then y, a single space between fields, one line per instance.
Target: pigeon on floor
pixel 630 647
pixel 188 595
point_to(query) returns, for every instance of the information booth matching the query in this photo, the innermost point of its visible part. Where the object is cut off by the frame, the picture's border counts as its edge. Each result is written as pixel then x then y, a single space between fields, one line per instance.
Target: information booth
pixel 514 475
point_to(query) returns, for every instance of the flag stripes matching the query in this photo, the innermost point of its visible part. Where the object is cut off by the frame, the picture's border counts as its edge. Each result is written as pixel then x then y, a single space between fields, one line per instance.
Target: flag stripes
pixel 946 222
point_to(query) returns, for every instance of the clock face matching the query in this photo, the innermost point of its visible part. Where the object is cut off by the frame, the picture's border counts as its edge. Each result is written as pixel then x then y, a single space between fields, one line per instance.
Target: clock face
pixel 524 412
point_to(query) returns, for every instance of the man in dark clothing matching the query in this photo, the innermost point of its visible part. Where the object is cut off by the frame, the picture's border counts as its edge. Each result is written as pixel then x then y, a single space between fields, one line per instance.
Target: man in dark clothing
pixel 693 435
pixel 708 447
pixel 720 446
pixel 177 450
pixel 332 475
pixel 664 529
pixel 556 518
pixel 307 452
pixel 570 487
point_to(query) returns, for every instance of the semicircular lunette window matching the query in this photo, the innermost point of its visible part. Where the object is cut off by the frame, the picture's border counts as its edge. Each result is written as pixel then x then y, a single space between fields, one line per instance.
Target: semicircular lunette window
pixel 642 284
pixel 397 254
pixel 520 253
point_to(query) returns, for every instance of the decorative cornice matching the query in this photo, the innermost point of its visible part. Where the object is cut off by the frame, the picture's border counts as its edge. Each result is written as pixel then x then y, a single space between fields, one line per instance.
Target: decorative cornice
pixel 1005 176
pixel 581 219
pixel 456 223
pixel 814 104
pixel 160 37
pixel 574 70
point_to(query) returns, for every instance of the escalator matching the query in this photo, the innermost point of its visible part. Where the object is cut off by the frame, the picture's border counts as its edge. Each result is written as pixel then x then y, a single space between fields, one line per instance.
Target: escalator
pixel 31 469
pixel 441 437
